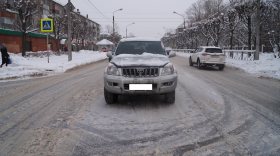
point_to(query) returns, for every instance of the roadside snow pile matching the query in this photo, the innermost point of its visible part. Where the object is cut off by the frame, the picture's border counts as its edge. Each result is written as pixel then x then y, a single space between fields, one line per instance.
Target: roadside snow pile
pixel 183 54
pixel 37 66
pixel 267 66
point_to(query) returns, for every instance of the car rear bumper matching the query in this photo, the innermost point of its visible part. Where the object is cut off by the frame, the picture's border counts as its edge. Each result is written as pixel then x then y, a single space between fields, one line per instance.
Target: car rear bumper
pixel 120 84
pixel 212 62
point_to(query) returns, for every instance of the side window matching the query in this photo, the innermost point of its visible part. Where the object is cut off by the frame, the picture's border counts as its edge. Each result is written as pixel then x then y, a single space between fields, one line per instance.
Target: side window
pixel 214 50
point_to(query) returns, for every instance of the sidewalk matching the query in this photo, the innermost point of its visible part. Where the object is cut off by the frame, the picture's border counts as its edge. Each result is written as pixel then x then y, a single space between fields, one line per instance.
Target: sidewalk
pixel 22 68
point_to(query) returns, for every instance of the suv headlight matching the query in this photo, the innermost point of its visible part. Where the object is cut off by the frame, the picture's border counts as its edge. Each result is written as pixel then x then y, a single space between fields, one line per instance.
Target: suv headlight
pixel 112 70
pixel 168 69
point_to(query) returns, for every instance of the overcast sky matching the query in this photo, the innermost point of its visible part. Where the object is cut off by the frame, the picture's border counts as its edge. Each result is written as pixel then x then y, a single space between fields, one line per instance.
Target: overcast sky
pixel 152 17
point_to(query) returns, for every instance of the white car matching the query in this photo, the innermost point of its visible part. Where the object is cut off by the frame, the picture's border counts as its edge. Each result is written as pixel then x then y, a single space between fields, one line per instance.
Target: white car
pixel 208 56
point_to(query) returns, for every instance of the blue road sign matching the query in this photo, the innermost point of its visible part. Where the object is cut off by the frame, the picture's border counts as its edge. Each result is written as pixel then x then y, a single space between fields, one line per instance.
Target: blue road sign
pixel 46 25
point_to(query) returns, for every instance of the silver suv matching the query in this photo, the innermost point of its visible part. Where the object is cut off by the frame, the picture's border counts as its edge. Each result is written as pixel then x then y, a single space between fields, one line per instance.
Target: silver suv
pixel 139 66
pixel 208 56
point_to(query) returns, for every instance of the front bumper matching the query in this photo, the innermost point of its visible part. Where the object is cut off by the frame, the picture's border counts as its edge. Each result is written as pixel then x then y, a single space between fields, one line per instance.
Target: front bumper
pixel 161 84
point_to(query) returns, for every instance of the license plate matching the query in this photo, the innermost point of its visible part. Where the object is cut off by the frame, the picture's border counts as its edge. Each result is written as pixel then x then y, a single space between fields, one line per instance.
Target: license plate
pixel 215 56
pixel 140 86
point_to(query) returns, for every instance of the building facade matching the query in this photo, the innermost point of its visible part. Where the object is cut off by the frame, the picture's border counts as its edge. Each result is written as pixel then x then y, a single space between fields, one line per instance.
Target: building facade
pixel 85 31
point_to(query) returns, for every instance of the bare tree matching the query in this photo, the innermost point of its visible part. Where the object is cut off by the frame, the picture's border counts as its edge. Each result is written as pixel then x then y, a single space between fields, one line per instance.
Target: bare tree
pixel 2 5
pixel 212 8
pixel 87 33
pixel 109 29
pixel 26 9
pixel 84 33
pixel 212 22
pixel 195 12
pixel 272 25
pixel 245 11
pixel 60 22
pixel 59 26
pixel 231 23
pixel 76 27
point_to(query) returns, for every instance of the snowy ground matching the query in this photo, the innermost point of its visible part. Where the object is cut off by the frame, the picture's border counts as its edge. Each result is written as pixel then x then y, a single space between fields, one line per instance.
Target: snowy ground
pixel 267 66
pixel 38 66
pixel 28 67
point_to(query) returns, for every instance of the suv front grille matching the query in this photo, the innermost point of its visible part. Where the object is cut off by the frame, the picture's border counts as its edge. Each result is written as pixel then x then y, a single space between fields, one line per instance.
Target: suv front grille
pixel 140 72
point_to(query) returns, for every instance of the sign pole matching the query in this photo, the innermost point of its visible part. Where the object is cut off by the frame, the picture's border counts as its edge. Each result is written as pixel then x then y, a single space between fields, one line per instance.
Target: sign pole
pixel 47 27
pixel 48 48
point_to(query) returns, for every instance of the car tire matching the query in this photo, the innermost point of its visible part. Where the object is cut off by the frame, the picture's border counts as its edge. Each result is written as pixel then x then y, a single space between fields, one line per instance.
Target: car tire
pixel 110 98
pixel 198 64
pixel 190 61
pixel 221 67
pixel 170 97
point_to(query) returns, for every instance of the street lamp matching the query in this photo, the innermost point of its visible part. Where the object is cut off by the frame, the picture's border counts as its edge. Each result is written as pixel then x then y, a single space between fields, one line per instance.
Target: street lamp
pixel 183 18
pixel 126 29
pixel 114 23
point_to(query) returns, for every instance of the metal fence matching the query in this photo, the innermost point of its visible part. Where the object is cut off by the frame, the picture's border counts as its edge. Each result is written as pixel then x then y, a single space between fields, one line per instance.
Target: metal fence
pixel 247 55
pixel 184 50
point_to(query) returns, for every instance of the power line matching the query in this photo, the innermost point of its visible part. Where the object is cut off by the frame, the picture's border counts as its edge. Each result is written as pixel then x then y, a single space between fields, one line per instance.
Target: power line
pixel 138 21
pixel 145 18
pixel 97 9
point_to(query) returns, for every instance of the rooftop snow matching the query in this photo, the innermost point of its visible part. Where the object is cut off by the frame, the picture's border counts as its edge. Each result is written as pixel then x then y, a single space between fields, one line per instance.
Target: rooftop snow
pixel 104 42
pixel 139 39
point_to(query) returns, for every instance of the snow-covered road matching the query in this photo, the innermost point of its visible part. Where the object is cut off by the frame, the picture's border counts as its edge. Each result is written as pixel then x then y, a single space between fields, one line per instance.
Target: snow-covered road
pixel 216 113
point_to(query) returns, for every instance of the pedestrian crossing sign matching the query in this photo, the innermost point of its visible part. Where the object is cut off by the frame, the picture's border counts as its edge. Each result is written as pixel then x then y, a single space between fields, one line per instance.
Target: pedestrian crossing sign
pixel 46 25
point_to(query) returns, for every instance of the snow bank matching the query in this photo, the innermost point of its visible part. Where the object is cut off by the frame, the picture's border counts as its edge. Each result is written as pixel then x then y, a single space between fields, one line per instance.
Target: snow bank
pixel 187 55
pixel 37 66
pixel 267 66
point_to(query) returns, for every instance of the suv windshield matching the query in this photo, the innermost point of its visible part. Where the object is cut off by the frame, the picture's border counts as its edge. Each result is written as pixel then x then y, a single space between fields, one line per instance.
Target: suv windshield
pixel 139 47
pixel 213 50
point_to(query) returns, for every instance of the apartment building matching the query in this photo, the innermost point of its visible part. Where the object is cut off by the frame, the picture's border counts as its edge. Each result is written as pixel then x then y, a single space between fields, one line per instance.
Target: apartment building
pixel 7 15
pixel 83 38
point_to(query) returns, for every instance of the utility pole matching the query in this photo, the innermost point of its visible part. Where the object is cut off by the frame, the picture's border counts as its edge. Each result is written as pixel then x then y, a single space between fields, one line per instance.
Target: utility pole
pixel 257 54
pixel 113 28
pixel 69 37
pixel 114 23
